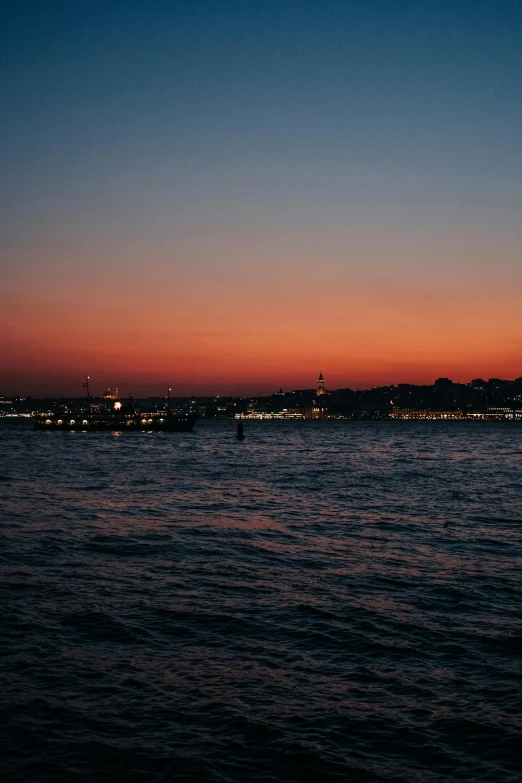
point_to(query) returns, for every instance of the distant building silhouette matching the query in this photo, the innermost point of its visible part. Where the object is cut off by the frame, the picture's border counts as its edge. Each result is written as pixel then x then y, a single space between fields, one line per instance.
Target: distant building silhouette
pixel 110 395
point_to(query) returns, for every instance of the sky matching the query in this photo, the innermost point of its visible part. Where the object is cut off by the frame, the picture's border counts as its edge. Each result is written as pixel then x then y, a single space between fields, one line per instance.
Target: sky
pixel 228 197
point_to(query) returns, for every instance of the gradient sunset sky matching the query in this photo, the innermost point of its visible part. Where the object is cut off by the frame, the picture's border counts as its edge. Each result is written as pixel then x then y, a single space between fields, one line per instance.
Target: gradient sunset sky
pixel 228 197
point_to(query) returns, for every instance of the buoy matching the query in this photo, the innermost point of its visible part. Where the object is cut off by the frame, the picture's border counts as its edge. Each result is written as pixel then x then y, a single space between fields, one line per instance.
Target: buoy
pixel 240 435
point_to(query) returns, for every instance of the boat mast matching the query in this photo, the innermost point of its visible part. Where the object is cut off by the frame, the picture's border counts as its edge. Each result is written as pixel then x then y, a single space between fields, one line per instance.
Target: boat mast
pixel 86 384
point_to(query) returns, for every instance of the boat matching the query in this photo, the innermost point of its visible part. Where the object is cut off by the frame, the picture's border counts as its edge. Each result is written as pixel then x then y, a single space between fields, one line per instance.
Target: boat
pixel 119 418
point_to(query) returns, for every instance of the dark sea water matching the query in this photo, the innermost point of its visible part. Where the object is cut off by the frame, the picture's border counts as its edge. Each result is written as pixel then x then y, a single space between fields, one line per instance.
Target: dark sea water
pixel 329 601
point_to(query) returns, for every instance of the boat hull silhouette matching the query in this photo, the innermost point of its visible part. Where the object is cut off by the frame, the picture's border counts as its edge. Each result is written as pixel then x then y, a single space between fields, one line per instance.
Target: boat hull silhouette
pixel 183 423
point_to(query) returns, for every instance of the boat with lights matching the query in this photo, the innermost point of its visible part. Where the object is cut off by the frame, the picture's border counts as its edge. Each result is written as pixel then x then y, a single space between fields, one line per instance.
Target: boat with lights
pixel 119 417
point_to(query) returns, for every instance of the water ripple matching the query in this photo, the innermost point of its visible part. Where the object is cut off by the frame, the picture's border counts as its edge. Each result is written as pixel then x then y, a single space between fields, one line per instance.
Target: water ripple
pixel 322 602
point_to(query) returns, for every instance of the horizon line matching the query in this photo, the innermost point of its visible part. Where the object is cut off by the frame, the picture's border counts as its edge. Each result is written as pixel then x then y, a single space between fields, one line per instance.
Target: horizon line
pixel 264 394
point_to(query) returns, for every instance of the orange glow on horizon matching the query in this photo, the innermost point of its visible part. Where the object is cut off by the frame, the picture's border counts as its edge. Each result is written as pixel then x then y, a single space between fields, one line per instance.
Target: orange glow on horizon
pixel 232 338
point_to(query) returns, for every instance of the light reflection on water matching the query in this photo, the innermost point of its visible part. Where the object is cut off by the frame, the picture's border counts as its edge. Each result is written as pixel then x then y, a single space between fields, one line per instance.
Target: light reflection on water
pixel 333 601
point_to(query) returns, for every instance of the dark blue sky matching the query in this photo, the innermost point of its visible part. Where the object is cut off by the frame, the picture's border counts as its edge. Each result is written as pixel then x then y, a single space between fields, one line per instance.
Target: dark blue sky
pixel 125 86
